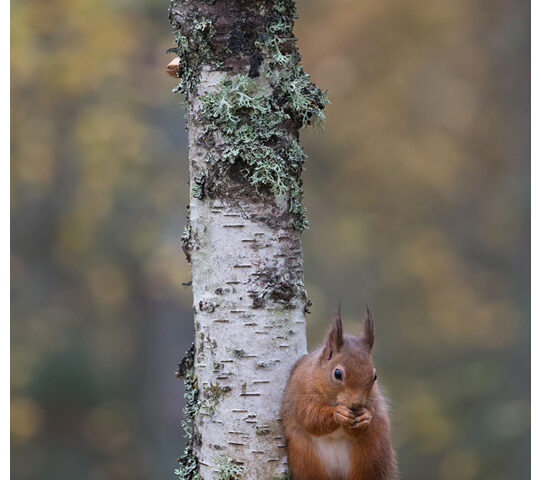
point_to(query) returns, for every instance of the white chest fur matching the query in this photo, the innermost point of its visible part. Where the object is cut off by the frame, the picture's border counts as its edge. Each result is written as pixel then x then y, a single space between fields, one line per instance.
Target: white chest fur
pixel 333 451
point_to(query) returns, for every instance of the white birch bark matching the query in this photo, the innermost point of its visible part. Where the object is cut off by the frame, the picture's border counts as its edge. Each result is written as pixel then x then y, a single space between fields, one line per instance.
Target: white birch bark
pixel 243 353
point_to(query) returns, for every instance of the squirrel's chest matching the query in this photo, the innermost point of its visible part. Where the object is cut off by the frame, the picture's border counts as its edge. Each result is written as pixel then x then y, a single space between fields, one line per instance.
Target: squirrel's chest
pixel 334 452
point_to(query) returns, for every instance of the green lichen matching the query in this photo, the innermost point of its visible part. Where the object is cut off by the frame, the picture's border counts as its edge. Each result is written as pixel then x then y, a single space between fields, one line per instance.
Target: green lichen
pixel 279 41
pixel 296 157
pixel 250 122
pixel 194 49
pixel 188 465
pixel 186 234
pixel 305 100
pixel 302 99
pixel 212 394
pixel 186 241
pixel 227 469
pixel 198 187
pixel 253 127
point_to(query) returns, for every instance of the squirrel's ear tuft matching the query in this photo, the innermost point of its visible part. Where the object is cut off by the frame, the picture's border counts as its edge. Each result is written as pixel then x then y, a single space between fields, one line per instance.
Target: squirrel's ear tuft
pixel 368 334
pixel 335 338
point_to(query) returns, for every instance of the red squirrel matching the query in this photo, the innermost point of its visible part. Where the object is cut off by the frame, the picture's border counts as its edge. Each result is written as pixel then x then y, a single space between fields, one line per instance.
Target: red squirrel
pixel 334 414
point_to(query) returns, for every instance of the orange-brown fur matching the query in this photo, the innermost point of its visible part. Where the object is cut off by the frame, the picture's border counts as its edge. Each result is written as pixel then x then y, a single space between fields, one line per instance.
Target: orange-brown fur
pixel 315 404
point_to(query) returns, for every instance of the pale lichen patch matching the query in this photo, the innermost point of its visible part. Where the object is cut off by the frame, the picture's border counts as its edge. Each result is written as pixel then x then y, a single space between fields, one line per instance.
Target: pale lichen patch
pixel 227 469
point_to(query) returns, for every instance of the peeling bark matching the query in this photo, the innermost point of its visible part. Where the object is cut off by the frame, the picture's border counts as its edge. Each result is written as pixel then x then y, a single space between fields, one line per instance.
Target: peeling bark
pixel 247 96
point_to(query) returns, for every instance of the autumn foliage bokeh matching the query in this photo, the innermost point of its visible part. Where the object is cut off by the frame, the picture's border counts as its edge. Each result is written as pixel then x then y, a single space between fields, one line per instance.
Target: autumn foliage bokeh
pixel 418 199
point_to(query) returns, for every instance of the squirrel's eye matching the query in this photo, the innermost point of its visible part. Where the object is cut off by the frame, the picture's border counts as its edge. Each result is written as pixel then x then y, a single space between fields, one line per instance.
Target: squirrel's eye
pixel 338 374
pixel 375 377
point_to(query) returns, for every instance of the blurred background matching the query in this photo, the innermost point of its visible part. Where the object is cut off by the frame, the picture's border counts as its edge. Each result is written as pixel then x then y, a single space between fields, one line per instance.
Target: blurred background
pixel 417 193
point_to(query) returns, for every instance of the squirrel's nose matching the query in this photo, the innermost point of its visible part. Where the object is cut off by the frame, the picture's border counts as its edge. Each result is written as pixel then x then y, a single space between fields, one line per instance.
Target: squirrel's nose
pixel 357 406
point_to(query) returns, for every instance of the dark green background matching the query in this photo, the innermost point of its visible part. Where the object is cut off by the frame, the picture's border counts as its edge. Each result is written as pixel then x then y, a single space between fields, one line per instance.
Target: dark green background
pixel 417 193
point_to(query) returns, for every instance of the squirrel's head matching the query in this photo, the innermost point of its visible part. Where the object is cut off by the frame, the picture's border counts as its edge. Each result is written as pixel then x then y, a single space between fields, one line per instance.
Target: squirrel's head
pixel 348 367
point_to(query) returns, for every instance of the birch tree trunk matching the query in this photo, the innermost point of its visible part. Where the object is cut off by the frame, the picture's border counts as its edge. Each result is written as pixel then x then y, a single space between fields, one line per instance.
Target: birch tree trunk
pixel 247 97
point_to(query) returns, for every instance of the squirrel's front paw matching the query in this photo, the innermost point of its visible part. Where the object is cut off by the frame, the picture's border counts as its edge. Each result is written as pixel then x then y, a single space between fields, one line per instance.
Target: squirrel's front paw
pixel 362 420
pixel 344 416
